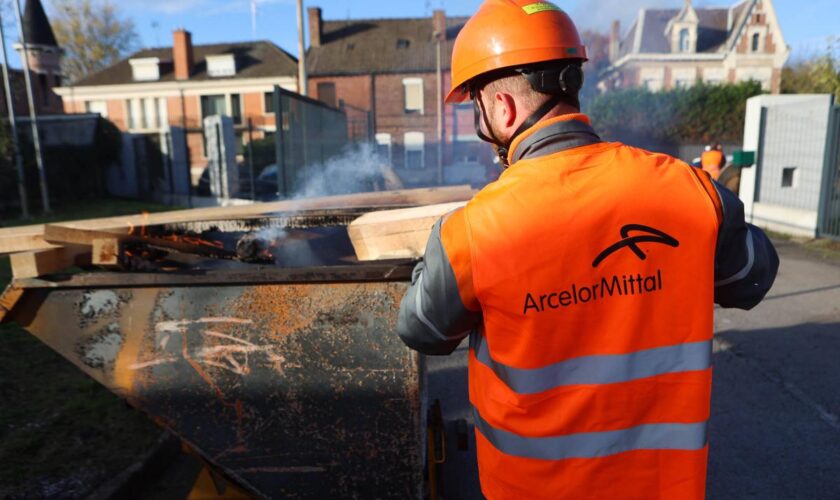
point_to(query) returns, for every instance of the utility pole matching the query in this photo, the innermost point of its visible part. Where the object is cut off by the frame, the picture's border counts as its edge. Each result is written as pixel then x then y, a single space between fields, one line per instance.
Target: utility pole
pixel 302 85
pixel 10 106
pixel 36 140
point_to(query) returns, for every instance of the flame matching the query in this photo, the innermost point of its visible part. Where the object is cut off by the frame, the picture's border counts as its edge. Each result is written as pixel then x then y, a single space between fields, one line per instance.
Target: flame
pixel 145 223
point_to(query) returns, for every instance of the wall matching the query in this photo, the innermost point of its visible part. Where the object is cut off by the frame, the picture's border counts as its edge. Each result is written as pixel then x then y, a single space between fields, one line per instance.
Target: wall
pixel 785 131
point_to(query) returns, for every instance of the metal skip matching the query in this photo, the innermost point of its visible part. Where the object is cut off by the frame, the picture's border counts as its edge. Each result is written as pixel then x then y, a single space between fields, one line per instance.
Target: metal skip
pixel 288 386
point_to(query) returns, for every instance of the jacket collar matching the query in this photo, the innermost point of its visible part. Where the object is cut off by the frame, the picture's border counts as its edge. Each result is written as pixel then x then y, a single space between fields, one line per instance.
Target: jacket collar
pixel 552 136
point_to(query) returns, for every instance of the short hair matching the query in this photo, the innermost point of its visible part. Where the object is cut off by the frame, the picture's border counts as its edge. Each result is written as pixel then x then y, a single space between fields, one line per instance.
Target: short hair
pixel 517 85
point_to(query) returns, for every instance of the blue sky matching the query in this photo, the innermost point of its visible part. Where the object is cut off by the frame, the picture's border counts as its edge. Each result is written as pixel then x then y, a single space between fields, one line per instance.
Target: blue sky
pixel 806 24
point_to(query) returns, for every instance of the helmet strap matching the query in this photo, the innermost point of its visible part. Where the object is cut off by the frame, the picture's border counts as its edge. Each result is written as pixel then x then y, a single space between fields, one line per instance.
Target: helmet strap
pixel 481 115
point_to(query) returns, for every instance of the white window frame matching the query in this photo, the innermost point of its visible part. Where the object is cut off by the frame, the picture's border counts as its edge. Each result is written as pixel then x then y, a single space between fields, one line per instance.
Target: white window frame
pixel 384 139
pixel 415 141
pixel 221 65
pixel 163 112
pixel 412 82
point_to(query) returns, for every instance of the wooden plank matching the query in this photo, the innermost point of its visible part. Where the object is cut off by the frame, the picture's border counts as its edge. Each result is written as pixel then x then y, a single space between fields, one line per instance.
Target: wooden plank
pixel 396 234
pixel 33 264
pixel 63 235
pixel 106 252
pixel 23 239
pixel 29 238
pixel 8 299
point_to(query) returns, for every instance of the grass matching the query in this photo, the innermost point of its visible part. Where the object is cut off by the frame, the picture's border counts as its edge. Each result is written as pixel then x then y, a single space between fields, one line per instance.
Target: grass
pixel 823 247
pixel 61 433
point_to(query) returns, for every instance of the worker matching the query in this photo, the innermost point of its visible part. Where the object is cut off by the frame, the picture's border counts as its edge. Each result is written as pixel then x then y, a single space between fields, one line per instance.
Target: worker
pixel 584 277
pixel 713 160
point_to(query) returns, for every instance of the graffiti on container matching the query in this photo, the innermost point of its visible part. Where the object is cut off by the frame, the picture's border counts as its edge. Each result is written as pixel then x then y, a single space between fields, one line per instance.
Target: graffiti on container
pixel 217 349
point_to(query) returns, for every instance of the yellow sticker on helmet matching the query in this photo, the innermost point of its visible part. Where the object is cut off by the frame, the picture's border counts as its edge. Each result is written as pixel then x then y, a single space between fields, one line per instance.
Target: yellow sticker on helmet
pixel 536 7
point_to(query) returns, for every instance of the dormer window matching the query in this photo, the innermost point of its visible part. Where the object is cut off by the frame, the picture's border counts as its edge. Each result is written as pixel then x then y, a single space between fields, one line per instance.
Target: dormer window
pixel 145 69
pixel 685 40
pixel 221 65
pixel 402 43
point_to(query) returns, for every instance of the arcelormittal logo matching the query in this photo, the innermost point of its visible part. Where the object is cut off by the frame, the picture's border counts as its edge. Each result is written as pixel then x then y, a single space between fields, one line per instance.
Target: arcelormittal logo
pixel 645 235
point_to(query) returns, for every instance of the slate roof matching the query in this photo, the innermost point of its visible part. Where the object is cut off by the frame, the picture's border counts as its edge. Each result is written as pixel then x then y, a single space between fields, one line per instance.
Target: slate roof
pixel 253 60
pixel 712 34
pixel 366 46
pixel 36 26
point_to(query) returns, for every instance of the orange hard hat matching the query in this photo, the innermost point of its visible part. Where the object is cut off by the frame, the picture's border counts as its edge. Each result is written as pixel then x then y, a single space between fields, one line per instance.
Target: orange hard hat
pixel 511 34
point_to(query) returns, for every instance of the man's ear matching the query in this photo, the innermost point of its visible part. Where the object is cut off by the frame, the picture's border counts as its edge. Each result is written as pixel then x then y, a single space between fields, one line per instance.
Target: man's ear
pixel 505 109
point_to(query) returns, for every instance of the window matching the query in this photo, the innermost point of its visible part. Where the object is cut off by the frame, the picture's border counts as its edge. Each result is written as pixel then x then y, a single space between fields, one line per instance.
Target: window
pixel 684 40
pixel 415 144
pixel 236 109
pixel 756 41
pixel 789 177
pixel 383 146
pixel 326 93
pixel 162 112
pixel 413 95
pixel 402 43
pixel 268 103
pixel 149 113
pixel 682 83
pixel 100 107
pixel 145 69
pixel 136 119
pixel 221 65
pixel 213 105
pixel 45 89
pixel 129 113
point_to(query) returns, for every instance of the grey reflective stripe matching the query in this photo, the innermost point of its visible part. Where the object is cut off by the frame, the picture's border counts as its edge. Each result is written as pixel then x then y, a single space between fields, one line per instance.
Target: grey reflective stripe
pixel 601 369
pixel 418 305
pixel 747 268
pixel 688 437
pixel 557 137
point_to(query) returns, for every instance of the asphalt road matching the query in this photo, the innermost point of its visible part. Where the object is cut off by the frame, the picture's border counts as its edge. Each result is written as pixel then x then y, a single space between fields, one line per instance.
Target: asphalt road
pixel 775 429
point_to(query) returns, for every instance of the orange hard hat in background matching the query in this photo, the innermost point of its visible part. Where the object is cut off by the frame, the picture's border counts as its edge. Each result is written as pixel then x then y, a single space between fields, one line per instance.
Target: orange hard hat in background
pixel 511 34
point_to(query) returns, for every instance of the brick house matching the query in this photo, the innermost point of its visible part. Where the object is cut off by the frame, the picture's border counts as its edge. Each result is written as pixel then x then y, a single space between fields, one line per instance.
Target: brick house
pixel 383 73
pixel 667 48
pixel 180 85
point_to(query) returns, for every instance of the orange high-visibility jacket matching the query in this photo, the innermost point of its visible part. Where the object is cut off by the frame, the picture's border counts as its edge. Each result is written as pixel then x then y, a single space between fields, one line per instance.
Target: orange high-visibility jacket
pixel 712 162
pixel 586 278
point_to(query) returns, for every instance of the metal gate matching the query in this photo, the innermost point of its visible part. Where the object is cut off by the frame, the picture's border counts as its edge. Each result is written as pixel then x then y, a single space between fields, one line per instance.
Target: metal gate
pixel 829 225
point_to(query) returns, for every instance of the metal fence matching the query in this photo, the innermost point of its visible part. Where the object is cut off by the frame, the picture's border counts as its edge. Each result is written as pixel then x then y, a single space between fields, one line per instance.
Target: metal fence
pixel 829 217
pixel 308 133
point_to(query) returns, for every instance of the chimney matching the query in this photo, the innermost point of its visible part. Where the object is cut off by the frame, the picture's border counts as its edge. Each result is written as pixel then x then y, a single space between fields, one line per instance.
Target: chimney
pixel 315 26
pixel 182 54
pixel 615 40
pixel 439 23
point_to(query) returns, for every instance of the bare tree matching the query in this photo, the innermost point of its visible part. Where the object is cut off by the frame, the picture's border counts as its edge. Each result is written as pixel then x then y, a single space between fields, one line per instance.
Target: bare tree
pixel 93 34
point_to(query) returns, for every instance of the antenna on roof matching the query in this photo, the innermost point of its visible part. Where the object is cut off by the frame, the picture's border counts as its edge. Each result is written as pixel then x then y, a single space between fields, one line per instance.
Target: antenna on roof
pixel 253 19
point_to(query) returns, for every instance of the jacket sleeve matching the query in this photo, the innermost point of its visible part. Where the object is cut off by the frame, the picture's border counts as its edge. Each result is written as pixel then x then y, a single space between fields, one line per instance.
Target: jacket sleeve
pixel 433 316
pixel 746 262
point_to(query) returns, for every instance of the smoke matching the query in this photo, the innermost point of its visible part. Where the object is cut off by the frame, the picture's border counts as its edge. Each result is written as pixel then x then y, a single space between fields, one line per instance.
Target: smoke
pixel 598 15
pixel 358 169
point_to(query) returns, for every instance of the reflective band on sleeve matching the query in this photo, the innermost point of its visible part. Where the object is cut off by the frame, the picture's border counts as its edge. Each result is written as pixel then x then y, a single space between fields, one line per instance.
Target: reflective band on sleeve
pixel 747 268
pixel 421 315
pixel 689 437
pixel 601 369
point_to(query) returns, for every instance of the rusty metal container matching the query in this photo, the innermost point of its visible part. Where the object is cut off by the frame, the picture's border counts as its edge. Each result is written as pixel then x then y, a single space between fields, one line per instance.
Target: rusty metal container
pixel 288 381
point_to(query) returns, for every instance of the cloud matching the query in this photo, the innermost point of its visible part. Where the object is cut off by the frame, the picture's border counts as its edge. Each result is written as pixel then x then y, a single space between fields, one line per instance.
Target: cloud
pixel 165 6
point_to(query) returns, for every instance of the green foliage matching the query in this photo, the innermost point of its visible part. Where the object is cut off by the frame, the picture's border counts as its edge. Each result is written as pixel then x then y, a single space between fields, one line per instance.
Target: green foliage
pixel 702 113
pixel 820 75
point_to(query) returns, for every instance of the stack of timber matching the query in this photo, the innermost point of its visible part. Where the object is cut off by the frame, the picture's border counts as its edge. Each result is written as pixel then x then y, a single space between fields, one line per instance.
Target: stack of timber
pixel 39 250
pixel 396 234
